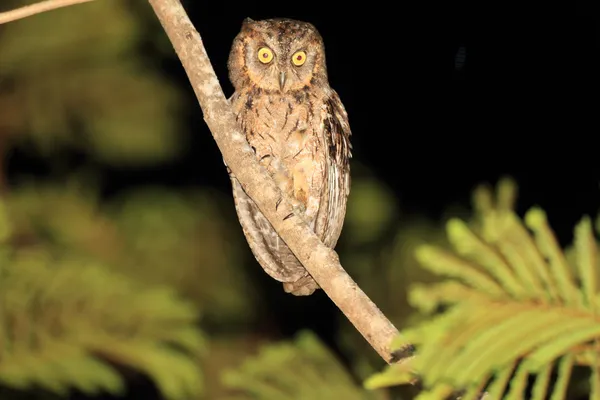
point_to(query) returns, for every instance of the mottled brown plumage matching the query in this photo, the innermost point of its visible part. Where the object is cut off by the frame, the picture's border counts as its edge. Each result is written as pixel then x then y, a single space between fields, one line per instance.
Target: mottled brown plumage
pixel 299 130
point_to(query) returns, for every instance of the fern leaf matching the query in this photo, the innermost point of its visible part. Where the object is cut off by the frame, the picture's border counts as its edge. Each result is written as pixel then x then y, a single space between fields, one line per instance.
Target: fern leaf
pixel 518 384
pixel 469 245
pixel 440 391
pixel 536 220
pixel 586 250
pixel 595 383
pixel 62 319
pixel 394 375
pixel 428 298
pixel 513 303
pixel 542 381
pixel 303 369
pixel 563 345
pixel 482 199
pixel 506 194
pixel 518 248
pixel 565 367
pixel 440 261
pixel 498 385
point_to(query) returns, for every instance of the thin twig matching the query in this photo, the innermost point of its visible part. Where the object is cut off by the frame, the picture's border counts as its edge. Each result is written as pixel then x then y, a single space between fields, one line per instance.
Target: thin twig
pixel 36 8
pixel 320 261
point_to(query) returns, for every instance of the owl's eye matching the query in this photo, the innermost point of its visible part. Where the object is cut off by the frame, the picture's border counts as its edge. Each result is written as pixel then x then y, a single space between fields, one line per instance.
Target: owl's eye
pixel 299 58
pixel 265 55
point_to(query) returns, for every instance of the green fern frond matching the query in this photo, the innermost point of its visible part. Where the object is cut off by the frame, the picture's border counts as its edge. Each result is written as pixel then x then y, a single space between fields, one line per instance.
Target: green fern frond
pixel 492 331
pixel 139 234
pixel 302 369
pixel 157 225
pixel 513 307
pixel 64 322
pixel 501 198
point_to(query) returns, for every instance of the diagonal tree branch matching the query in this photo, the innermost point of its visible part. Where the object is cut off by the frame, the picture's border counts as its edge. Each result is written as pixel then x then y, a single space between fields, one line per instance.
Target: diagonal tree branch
pixel 320 261
pixel 36 8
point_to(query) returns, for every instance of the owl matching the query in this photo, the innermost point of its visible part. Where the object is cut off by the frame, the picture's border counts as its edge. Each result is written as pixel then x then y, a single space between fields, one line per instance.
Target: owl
pixel 298 128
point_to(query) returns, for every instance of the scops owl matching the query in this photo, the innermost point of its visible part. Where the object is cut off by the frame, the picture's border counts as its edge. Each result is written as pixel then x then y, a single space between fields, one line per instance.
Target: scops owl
pixel 298 128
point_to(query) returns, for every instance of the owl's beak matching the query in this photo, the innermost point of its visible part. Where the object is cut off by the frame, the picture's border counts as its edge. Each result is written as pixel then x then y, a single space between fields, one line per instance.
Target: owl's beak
pixel 281 80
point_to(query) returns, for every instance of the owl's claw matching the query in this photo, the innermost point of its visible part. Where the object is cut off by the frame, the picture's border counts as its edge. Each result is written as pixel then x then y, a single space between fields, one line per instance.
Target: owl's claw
pixel 288 216
pixel 298 209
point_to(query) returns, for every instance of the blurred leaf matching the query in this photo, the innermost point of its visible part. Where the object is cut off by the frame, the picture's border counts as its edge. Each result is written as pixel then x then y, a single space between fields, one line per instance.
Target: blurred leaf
pixel 90 91
pixel 191 228
pixel 511 310
pixel 302 369
pixel 371 208
pixel 63 216
pixel 226 351
pixel 63 317
pixel 393 375
pixel 183 239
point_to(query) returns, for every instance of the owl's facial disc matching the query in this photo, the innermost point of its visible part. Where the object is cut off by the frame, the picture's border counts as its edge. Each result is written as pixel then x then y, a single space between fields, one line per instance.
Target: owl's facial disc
pixel 278 55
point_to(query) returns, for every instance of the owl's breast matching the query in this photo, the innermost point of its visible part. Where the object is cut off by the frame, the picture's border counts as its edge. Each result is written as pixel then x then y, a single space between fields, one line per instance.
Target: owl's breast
pixel 287 136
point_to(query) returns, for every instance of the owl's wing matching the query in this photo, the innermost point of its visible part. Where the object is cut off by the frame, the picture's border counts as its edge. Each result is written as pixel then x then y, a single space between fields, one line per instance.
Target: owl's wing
pixel 336 134
pixel 270 250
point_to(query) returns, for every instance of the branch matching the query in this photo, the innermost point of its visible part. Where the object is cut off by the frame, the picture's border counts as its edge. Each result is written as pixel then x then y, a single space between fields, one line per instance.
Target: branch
pixel 36 8
pixel 320 261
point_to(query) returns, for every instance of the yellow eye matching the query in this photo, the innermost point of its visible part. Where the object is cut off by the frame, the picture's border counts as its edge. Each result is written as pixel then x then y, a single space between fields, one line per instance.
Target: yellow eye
pixel 265 55
pixel 299 58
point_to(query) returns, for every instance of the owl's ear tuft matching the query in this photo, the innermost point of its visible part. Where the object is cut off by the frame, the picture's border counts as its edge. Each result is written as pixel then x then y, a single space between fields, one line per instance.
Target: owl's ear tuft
pixel 247 21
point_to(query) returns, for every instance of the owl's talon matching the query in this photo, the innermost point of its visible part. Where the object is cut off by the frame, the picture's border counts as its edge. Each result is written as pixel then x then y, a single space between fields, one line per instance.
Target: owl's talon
pixel 288 216
pixel 299 208
pixel 278 203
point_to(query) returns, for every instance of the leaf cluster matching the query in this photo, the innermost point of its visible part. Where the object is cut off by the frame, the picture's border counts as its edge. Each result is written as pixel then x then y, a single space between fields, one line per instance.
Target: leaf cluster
pixel 64 326
pixel 183 239
pixel 91 91
pixel 513 317
pixel 300 369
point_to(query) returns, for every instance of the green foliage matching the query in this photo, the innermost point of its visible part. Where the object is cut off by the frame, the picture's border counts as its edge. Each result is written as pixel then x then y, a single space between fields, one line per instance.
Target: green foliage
pixel 302 369
pixel 513 309
pixel 155 236
pixel 371 208
pixel 64 324
pixel 191 227
pixel 73 77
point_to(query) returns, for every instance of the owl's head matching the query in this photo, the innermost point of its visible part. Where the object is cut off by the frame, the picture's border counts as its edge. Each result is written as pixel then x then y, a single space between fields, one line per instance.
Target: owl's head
pixel 277 55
